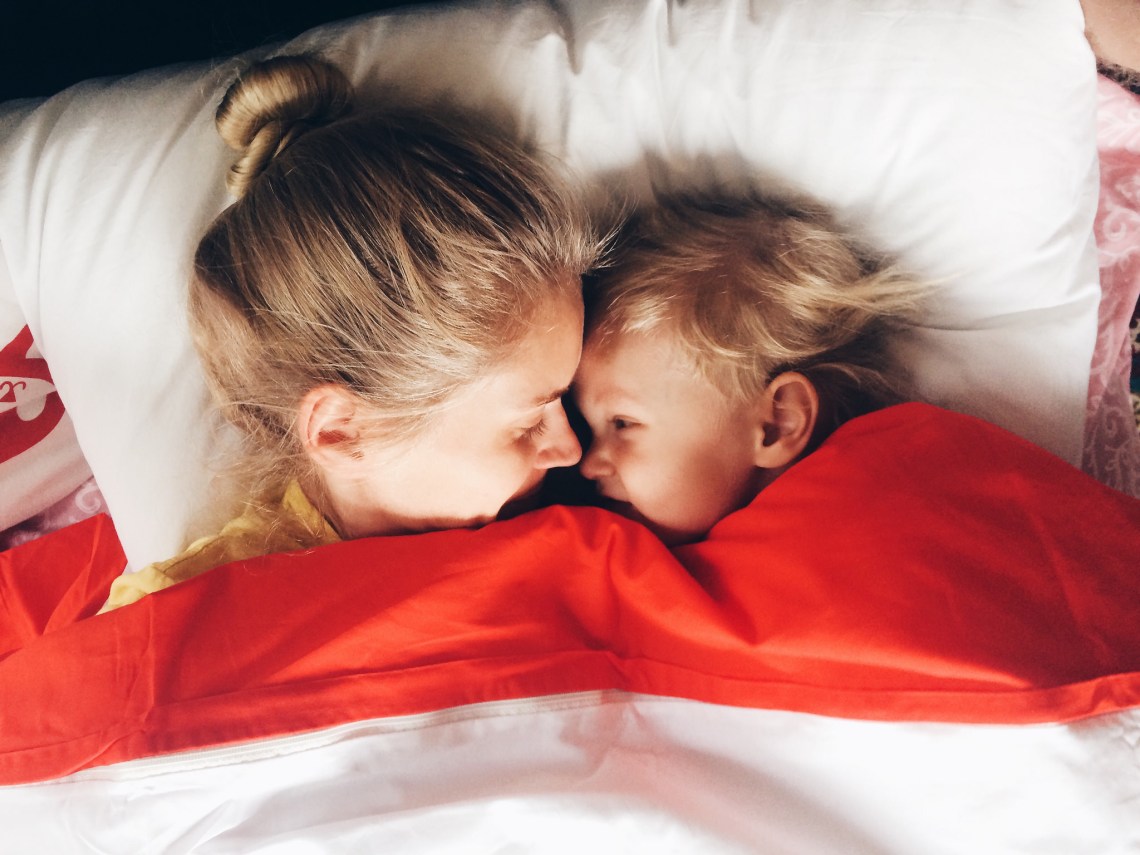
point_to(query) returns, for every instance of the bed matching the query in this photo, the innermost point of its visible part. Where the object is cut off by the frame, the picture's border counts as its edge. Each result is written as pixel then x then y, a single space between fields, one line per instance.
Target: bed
pixel 948 663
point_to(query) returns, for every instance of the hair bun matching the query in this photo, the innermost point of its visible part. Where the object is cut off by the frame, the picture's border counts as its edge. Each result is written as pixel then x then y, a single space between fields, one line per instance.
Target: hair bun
pixel 273 102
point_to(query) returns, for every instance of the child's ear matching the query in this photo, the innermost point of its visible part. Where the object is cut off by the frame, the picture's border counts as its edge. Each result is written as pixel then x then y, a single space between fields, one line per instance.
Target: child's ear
pixel 328 426
pixel 789 409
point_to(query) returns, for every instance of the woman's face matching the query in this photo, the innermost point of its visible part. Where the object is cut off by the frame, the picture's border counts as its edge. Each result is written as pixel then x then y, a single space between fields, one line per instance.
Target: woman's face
pixel 491 445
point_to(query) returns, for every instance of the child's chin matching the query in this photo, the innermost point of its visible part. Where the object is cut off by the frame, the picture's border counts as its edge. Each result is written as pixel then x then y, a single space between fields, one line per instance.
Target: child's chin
pixel 673 537
pixel 667 535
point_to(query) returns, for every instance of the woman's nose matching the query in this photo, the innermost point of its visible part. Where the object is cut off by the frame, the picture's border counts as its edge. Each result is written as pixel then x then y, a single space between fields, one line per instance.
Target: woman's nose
pixel 560 444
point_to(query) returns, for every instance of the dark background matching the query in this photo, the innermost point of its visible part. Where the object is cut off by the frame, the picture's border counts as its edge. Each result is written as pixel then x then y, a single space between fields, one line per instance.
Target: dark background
pixel 46 45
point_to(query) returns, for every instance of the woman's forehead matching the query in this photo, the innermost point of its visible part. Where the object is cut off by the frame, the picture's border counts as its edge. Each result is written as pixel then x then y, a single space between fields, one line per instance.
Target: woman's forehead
pixel 537 371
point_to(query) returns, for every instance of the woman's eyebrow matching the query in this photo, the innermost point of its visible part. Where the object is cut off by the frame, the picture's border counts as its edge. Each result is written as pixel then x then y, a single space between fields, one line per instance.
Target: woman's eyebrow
pixel 543 400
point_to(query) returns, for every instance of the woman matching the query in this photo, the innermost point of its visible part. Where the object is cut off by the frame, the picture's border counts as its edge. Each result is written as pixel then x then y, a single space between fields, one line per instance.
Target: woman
pixel 389 312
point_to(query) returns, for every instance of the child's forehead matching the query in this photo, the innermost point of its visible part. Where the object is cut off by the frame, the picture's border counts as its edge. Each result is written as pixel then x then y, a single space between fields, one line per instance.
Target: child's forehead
pixel 633 365
pixel 654 351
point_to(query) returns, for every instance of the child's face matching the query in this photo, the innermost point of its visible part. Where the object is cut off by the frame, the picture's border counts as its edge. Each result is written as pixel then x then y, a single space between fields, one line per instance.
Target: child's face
pixel 491 445
pixel 669 449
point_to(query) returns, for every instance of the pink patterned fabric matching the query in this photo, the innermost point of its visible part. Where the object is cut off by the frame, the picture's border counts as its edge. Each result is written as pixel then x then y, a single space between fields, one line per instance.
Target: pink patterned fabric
pixel 1112 443
pixel 83 502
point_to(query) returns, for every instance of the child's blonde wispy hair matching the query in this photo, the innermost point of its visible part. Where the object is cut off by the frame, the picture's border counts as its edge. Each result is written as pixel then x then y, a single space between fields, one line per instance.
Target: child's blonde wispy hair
pixel 753 286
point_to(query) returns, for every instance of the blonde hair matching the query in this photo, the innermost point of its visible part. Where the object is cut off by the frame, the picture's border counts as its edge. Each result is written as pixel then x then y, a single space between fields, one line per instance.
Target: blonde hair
pixel 397 255
pixel 751 287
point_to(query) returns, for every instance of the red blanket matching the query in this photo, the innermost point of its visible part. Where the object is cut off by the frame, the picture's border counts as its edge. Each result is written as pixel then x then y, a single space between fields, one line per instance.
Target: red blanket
pixel 921 565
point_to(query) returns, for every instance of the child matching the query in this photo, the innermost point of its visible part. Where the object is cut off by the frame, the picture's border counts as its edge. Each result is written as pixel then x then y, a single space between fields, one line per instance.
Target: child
pixel 389 313
pixel 724 341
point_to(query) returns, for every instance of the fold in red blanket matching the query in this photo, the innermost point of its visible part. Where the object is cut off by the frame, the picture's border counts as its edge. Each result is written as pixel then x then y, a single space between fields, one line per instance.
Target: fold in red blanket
pixel 921 565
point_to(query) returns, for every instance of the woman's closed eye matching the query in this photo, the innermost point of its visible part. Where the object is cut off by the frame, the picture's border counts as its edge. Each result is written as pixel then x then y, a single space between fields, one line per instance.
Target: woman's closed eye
pixel 534 431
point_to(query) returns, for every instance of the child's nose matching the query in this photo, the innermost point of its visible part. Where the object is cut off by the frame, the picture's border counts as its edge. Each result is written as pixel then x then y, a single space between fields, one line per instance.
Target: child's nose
pixel 595 463
pixel 560 443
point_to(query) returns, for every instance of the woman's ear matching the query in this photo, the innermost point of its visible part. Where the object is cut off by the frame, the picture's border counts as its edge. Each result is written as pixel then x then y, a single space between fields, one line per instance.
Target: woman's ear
pixel 328 426
pixel 789 409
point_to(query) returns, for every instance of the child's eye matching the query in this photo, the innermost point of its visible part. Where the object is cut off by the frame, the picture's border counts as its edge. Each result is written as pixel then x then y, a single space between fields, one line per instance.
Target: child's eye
pixel 621 423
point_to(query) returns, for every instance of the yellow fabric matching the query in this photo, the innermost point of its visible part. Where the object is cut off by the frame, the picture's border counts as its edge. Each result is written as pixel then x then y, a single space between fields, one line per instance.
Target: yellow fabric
pixel 294 524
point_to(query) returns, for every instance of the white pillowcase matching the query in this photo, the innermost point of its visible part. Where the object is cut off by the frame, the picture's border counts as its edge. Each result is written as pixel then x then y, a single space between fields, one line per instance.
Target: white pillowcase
pixel 960 136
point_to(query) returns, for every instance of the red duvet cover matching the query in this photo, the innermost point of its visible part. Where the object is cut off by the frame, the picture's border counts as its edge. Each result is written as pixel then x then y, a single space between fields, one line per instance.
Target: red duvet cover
pixel 859 633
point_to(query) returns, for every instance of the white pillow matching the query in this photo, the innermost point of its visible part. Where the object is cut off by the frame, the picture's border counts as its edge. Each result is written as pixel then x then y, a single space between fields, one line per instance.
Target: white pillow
pixel 960 136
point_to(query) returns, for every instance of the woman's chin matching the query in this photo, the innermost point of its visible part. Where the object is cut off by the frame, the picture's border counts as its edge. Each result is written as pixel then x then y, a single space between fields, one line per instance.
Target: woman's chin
pixel 528 498
pixel 521 505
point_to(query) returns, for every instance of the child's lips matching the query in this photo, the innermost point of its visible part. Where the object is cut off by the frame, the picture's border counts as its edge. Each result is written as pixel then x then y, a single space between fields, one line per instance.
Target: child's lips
pixel 608 490
pixel 629 511
pixel 619 506
pixel 609 498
